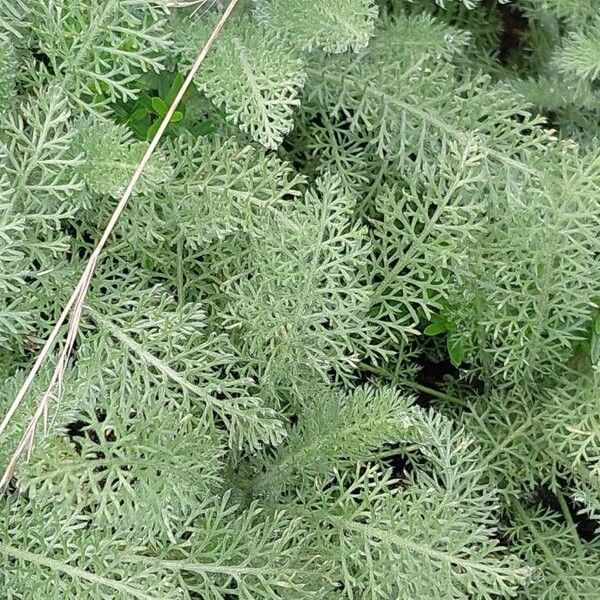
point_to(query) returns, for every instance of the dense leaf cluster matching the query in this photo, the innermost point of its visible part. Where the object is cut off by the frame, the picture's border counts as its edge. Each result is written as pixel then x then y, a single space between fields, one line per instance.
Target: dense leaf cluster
pixel 345 340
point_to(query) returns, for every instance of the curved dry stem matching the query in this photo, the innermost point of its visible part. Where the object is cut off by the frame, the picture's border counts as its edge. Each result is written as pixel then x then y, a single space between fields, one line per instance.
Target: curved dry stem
pixel 74 305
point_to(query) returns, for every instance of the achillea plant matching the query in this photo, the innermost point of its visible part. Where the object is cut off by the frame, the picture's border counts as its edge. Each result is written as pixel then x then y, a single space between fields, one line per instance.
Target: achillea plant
pixel 344 340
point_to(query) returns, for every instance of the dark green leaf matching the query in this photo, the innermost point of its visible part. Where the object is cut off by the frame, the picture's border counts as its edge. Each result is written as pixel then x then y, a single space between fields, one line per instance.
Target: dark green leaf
pixel 175 87
pixel 437 326
pixel 177 116
pixel 455 350
pixel 595 348
pixel 138 115
pixel 159 106
pixel 153 129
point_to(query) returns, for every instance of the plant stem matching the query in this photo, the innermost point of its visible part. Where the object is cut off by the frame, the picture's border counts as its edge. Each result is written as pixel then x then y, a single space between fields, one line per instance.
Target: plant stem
pixel 415 386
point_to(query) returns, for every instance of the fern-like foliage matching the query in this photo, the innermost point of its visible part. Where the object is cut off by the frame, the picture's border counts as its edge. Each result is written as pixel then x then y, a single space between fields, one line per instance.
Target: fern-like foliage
pixel 332 25
pixel 40 193
pixel 335 430
pixel 41 159
pixel 433 219
pixel 60 415
pixel 153 345
pixel 343 337
pixel 13 268
pixel 220 189
pixel 571 421
pixel 298 310
pixel 531 311
pixel 580 55
pixel 7 73
pixel 57 553
pixel 456 552
pixel 263 79
pixel 110 156
pixel 140 465
pixel 564 567
pixel 549 438
pixel 578 12
pixel 397 122
pixel 253 554
pixel 509 431
pixel 96 49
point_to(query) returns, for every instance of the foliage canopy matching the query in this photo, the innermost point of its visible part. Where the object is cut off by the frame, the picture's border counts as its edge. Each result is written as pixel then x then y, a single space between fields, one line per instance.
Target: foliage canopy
pixel 345 340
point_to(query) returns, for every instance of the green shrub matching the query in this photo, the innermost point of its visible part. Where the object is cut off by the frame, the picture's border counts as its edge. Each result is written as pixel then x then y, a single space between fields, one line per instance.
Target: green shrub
pixel 344 340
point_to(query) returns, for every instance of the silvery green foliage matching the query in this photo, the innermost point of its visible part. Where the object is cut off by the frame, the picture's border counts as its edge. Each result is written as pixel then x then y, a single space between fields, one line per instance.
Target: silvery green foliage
pixel 243 416
pixel 534 270
pixel 508 430
pixel 332 25
pixel 263 79
pixel 555 62
pixel 426 130
pixel 110 156
pixel 141 465
pixel 563 566
pixel 299 310
pixel 239 183
pixel 13 265
pixel 8 61
pixel 432 218
pixel 336 429
pixel 60 414
pixel 150 344
pixel 453 556
pixel 57 554
pixel 39 190
pixel 97 48
pixel 546 439
pixel 580 55
pixel 63 553
pixel 576 13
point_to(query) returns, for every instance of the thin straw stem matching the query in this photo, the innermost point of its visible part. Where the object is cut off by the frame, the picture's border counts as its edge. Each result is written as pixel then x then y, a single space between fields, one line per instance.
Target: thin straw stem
pixel 76 302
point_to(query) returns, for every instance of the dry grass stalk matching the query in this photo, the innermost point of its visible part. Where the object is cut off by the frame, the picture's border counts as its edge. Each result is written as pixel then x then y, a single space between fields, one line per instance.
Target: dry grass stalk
pixel 75 304
pixel 199 4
